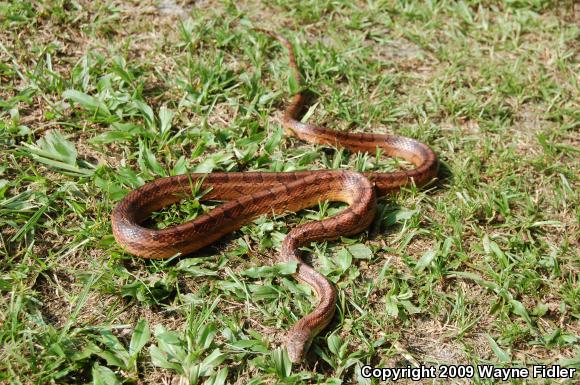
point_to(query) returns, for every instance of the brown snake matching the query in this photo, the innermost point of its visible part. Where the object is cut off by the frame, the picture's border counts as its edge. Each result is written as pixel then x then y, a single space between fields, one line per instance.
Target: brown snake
pixel 251 194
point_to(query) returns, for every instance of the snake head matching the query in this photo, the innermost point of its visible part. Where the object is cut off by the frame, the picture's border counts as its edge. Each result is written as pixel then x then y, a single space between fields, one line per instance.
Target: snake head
pixel 297 344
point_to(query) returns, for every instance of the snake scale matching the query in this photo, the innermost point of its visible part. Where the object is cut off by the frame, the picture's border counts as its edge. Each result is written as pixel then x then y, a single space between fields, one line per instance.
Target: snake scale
pixel 248 195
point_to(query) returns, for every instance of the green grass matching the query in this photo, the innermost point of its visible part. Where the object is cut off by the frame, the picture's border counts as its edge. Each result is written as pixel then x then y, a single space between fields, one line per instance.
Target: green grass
pixel 97 98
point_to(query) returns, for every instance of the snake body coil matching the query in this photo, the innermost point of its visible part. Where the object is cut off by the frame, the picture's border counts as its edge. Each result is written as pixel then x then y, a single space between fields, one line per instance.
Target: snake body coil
pixel 249 195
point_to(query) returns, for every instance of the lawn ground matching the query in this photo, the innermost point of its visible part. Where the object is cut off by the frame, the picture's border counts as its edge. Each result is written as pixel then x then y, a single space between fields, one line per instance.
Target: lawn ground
pixel 99 97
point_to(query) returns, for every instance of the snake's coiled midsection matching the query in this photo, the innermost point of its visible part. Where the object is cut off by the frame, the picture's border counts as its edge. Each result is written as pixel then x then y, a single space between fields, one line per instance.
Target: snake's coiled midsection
pixel 252 194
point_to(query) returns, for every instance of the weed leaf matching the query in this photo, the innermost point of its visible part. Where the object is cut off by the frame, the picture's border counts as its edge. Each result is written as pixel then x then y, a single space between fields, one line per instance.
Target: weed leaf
pixel 140 337
pixel 88 102
pixel 54 150
pixel 104 376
